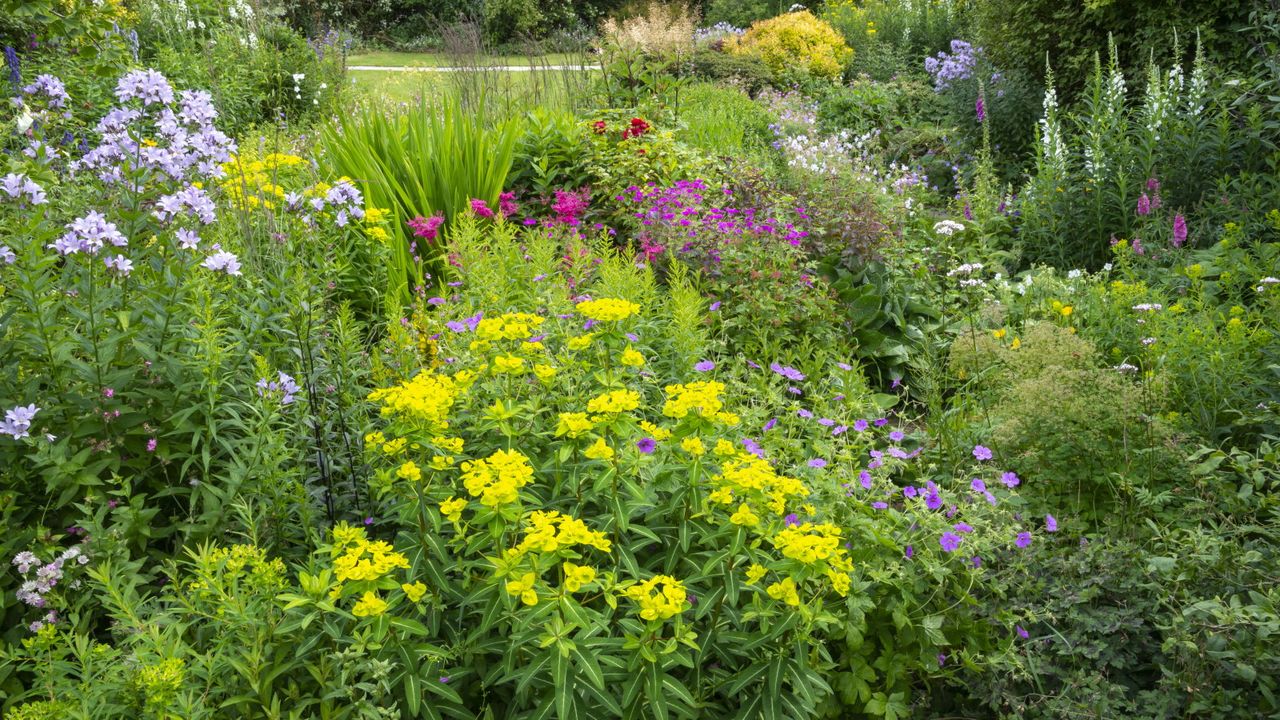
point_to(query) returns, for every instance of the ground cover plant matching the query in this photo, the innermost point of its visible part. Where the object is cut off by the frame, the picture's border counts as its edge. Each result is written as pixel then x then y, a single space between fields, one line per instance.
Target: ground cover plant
pixel 879 359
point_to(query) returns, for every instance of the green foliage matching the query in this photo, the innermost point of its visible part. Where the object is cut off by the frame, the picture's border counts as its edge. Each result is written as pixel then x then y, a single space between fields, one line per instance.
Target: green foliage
pixel 549 156
pixel 725 122
pixel 749 73
pixel 741 13
pixel 418 162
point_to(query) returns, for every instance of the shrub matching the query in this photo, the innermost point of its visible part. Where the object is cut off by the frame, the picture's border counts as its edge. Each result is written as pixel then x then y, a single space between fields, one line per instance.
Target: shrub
pixel 744 71
pixel 795 43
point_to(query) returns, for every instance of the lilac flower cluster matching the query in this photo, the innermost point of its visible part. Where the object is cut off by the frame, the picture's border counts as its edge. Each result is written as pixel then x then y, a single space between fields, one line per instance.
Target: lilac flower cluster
pixel 284 386
pixel 17 421
pixel 175 142
pixel 222 260
pixel 23 189
pixel 51 88
pixel 89 234
pixel 46 576
pixel 955 66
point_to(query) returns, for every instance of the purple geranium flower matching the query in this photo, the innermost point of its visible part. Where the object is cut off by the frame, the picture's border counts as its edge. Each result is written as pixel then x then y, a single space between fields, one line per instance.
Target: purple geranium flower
pixel 1023 539
pixel 1010 479
pixel 982 453
pixel 705 366
pixel 861 425
pixel 817 463
pixel 646 445
pixel 1050 523
pixel 787 372
pixel 949 541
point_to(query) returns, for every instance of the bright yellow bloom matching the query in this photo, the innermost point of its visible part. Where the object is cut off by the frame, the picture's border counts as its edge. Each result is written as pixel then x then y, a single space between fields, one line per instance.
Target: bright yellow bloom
pixel 441 462
pixel 755 573
pixel 809 543
pixel 632 358
pixel 744 516
pixel 659 433
pixel 409 471
pixel 575 576
pixel 573 425
pixel 599 450
pixel 393 447
pixel 452 508
pixel 496 479
pixel 582 342
pixel 702 397
pixel 524 588
pixel 450 444
pixel 1017 343
pixel 840 581
pixel 999 334
pixel 507 364
pixel 721 495
pixel 415 591
pixel 374 440
pixel 660 597
pixel 608 309
pixel 511 326
pixel 615 401
pixel 550 531
pixel 724 448
pixel 370 605
pixel 428 397
pixel 544 372
pixel 1066 310
pixel 693 446
pixel 784 591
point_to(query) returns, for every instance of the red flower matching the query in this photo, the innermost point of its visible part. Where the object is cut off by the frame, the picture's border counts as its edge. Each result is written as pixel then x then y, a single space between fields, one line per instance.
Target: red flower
pixel 600 127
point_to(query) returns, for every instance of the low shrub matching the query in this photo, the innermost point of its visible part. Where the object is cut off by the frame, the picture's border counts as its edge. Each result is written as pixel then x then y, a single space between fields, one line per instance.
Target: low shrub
pixel 795 44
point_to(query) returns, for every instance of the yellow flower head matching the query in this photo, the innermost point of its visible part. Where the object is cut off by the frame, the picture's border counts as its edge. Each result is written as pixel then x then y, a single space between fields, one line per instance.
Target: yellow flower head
pixel 496 479
pixel 599 450
pixel 999 334
pixel 693 446
pixel 428 397
pixel 702 398
pixel 452 508
pixel 784 591
pixel 660 597
pixel 615 401
pixel 370 605
pixel 415 591
pixel 409 471
pixel 608 309
pixel 755 573
pixel 575 576
pixel 744 516
pixel 632 358
pixel 573 425
pixel 544 372
pixel 507 364
pixel 523 588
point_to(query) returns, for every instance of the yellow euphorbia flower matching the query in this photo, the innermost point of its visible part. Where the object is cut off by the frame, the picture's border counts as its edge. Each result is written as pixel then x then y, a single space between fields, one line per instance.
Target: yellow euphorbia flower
pixel 599 450
pixel 784 591
pixel 415 591
pixel 409 471
pixel 632 358
pixel 744 516
pixel 452 508
pixel 575 576
pixel 608 309
pixel 755 573
pixel 524 588
pixel 370 605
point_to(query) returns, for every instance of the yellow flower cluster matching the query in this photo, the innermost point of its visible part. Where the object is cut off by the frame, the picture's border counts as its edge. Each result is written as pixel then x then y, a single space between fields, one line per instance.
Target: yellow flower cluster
pixel 615 401
pixel 426 398
pixel 660 597
pixel 575 576
pixel 254 183
pixel 507 364
pixel 523 588
pixel 369 605
pixel 744 516
pixel 495 480
pixel 573 425
pixel 702 397
pixel 249 562
pixel 747 475
pixel 452 508
pixel 608 309
pixel 818 545
pixel 599 450
pixel 511 326
pixel 632 358
pixel 784 590
pixel 358 559
pixel 550 531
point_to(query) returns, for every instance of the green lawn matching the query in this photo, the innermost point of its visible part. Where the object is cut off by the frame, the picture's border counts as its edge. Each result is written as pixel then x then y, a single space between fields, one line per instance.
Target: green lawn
pixel 518 89
pixel 406 59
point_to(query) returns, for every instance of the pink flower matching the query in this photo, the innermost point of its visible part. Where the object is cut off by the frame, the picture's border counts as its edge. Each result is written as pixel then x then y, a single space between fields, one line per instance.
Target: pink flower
pixel 1144 205
pixel 1179 230
pixel 426 228
pixel 151 445
pixel 480 208
pixel 507 204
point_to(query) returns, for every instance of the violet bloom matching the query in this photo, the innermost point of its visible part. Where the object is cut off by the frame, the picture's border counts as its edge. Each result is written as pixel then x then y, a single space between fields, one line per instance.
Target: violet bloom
pixel 981 109
pixel 17 421
pixel 817 463
pixel 897 436
pixel 771 424
pixel 224 261
pixel 949 541
pixel 1010 479
pixel 705 366
pixel 1050 523
pixel 880 505
pixel 787 372
pixel 646 445
pixel 714 306
pixel 1022 633
pixel 806 414
pixel 861 425
pixel 864 478
pixel 881 422
pixel 792 520
pixel 1023 539
pixel 982 453
pixel 1144 205
pixel 907 552
pixel 978 485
